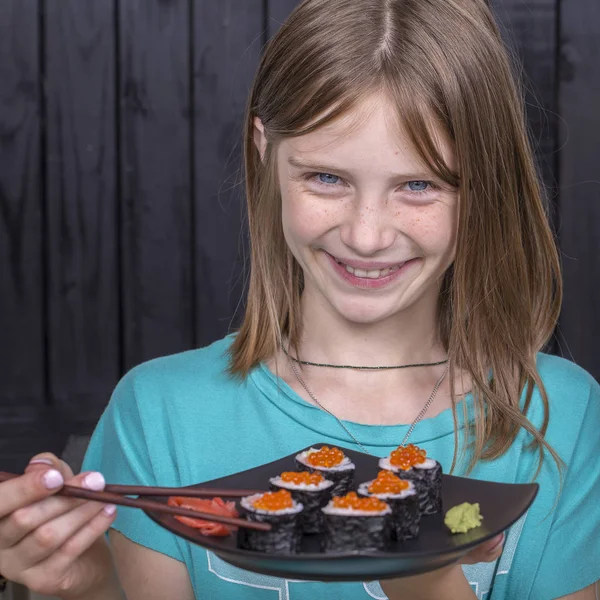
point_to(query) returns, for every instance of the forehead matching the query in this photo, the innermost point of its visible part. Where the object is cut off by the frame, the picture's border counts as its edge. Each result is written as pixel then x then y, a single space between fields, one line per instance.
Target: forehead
pixel 372 131
pixel 353 124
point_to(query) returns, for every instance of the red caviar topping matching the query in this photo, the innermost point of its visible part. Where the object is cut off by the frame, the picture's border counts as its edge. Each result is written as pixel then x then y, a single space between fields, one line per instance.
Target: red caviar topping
pixel 388 483
pixel 274 501
pixel 302 477
pixel 353 500
pixel 325 457
pixel 406 457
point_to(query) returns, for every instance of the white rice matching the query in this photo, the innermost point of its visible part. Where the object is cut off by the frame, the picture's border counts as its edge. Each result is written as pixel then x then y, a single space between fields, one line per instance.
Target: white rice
pixel 248 504
pixel 384 463
pixel 351 512
pixel 312 487
pixel 363 489
pixel 345 465
pixel 428 464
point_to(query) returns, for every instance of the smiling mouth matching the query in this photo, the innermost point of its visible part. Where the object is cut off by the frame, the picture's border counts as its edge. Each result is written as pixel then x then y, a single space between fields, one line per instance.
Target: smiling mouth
pixel 371 273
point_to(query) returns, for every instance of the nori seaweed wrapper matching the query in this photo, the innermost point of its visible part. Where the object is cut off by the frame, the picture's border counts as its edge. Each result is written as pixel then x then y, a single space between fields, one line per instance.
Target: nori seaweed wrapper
pixel 285 535
pixel 311 517
pixel 343 533
pixel 406 517
pixel 342 480
pixel 429 487
pixel 406 514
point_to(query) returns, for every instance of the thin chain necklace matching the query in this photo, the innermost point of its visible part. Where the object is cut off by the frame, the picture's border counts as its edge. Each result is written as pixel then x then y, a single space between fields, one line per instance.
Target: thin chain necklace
pixel 412 425
pixel 361 368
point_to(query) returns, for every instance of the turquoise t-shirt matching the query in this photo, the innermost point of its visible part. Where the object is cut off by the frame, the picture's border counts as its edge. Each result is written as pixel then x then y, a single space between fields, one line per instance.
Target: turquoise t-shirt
pixel 181 420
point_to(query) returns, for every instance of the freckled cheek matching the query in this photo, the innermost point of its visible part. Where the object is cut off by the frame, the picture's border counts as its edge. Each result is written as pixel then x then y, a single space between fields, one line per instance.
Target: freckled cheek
pixel 434 232
pixel 305 217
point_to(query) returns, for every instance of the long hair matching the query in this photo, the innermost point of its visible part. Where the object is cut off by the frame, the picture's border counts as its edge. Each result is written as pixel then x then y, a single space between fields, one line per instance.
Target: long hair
pixel 441 62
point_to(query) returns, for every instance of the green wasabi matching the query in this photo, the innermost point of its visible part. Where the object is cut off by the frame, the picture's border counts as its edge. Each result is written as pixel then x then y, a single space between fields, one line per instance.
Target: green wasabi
pixel 461 518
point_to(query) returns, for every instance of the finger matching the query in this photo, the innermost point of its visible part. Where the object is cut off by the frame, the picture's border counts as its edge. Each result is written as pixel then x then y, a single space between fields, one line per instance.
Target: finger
pixel 26 519
pixel 486 552
pixel 49 537
pixel 80 542
pixel 491 546
pixel 27 489
pixel 494 553
pixel 39 461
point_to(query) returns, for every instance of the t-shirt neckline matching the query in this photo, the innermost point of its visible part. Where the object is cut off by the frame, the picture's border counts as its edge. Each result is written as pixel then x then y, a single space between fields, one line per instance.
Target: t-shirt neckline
pixel 280 393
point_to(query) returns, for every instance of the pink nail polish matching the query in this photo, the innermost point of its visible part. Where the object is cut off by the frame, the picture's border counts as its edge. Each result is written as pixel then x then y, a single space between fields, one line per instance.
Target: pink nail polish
pixel 94 481
pixel 52 479
pixel 109 510
pixel 41 461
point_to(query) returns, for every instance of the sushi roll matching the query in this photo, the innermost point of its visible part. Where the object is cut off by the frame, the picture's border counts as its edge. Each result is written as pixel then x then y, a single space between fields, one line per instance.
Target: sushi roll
pixel 411 462
pixel 403 499
pixel 355 523
pixel 282 512
pixel 332 463
pixel 312 490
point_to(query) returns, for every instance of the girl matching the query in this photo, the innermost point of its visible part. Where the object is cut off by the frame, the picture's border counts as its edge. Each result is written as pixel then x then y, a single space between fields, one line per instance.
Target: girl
pixel 396 220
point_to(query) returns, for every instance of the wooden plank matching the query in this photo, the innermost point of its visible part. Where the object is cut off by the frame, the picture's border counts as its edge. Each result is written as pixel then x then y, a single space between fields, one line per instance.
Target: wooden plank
pixel 579 182
pixel 279 11
pixel 227 48
pixel 530 28
pixel 26 439
pixel 21 265
pixel 157 282
pixel 49 431
pixel 83 328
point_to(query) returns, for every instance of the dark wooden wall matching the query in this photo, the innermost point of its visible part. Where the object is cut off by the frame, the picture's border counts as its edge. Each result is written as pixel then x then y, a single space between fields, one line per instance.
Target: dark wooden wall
pixel 121 204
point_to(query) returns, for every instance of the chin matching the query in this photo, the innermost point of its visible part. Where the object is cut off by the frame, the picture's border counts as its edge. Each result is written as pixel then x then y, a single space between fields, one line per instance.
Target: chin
pixel 364 313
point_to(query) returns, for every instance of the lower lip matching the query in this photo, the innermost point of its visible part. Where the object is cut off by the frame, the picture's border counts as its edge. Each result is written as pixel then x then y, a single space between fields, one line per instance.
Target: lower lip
pixel 365 282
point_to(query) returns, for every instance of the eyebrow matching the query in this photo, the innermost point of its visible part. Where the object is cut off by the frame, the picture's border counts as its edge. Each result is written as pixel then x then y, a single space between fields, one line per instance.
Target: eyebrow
pixel 294 161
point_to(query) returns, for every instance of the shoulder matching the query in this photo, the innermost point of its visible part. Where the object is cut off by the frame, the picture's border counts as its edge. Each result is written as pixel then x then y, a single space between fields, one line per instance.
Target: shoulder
pixel 569 387
pixel 573 395
pixel 178 379
pixel 207 366
pixel 561 375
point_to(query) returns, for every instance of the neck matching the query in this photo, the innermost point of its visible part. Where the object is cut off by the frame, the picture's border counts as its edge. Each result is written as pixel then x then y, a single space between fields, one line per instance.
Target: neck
pixel 405 338
pixel 377 396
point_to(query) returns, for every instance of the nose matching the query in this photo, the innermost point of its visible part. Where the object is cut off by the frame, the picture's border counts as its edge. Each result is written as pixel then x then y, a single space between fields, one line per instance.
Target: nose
pixel 368 229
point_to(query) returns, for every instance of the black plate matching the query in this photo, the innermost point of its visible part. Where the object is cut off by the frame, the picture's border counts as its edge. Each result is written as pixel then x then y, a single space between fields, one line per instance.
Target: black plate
pixel 501 504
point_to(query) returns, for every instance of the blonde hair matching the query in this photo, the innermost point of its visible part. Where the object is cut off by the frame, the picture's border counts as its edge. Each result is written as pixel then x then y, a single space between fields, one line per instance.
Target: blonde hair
pixel 440 61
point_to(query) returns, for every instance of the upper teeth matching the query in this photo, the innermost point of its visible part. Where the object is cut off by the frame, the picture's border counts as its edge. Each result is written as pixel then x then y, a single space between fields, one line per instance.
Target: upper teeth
pixel 372 274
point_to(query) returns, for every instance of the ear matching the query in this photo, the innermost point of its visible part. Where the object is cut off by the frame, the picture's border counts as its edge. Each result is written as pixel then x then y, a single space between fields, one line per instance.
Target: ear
pixel 260 139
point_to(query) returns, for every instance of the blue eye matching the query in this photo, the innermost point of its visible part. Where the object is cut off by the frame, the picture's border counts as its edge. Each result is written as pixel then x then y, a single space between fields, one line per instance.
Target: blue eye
pixel 328 178
pixel 418 186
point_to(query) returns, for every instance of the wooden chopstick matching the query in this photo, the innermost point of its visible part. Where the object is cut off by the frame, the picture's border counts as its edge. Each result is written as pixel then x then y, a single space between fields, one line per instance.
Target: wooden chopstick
pixel 146 490
pixel 112 498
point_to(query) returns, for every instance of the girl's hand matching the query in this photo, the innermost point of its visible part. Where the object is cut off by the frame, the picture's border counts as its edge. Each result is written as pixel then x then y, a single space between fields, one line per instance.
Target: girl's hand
pixel 50 544
pixel 448 582
pixel 487 552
